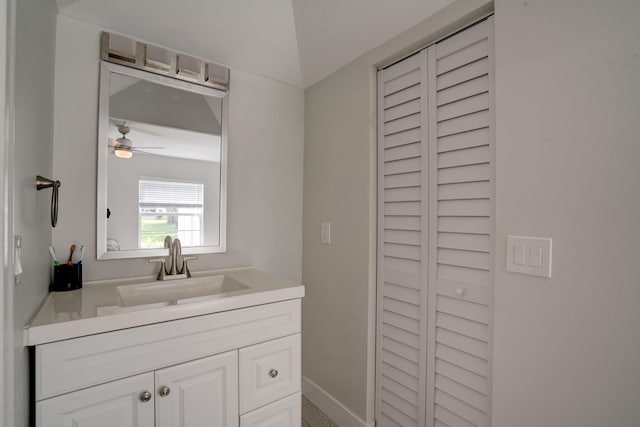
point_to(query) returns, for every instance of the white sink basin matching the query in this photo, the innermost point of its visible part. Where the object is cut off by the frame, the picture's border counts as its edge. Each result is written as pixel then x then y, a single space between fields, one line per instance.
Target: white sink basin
pixel 179 291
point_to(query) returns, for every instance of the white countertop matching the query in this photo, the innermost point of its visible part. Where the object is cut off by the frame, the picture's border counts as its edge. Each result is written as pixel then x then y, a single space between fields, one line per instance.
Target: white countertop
pixel 95 308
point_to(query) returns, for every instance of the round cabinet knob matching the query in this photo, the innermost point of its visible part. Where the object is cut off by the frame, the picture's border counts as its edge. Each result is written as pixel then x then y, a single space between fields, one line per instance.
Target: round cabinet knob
pixel 460 292
pixel 273 373
pixel 145 396
pixel 164 391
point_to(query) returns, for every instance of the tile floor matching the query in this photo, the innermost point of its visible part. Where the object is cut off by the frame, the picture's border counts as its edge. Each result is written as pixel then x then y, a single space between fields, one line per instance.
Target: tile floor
pixel 313 417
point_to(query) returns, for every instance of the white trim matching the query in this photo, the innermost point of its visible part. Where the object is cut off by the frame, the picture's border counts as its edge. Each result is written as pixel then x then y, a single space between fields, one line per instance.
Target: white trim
pixel 373 253
pixel 7 59
pixel 330 406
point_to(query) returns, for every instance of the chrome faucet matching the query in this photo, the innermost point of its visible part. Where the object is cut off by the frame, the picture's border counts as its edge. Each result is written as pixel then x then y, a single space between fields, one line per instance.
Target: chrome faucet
pixel 175 253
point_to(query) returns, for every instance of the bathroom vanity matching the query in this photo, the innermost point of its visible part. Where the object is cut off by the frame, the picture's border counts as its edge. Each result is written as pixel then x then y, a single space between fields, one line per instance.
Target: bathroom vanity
pixel 220 349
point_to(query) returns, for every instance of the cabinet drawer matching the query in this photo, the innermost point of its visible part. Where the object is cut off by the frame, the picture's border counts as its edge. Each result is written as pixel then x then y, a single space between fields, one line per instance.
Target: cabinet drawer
pixel 269 371
pixel 286 412
pixel 69 365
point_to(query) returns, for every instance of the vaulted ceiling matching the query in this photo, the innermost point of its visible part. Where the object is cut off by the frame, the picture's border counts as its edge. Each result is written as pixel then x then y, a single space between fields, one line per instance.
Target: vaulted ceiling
pixel 294 41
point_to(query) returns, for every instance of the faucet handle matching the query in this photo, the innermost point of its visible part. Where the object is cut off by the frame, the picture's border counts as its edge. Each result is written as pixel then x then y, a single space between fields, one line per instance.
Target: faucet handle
pixel 162 270
pixel 185 267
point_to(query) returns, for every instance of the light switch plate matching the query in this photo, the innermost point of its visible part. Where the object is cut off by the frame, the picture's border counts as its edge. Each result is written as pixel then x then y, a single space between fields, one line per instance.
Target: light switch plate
pixel 529 255
pixel 325 233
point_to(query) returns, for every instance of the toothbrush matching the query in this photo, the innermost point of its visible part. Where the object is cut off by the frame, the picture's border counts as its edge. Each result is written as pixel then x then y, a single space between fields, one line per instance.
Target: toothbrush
pixel 52 252
pixel 72 249
pixel 81 255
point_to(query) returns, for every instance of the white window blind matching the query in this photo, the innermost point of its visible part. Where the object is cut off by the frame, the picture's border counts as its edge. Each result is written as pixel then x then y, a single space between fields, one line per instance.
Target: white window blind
pixel 159 192
pixel 170 208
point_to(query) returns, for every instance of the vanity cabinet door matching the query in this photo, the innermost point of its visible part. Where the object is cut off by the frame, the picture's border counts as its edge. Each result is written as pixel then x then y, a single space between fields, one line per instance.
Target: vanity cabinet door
pixel 123 403
pixel 199 393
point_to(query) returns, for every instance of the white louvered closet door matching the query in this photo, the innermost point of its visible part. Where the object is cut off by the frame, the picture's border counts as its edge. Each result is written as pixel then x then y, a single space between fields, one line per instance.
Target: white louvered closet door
pixel 435 234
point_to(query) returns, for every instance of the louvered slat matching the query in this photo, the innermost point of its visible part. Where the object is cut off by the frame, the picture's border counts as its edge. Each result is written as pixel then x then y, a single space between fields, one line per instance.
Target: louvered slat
pixel 405 95
pixel 463 90
pixel 402 82
pixel 400 390
pixel 402 110
pixel 402 166
pixel 388 422
pixel 409 279
pixel 464 173
pixel 402 307
pixel 470 242
pixel 460 375
pixel 402 208
pixel 401 293
pixel 464 74
pixel 450 419
pixel 401 138
pixel 471 362
pixel 405 365
pixel 410 179
pixel 471 397
pixel 402 124
pixel 464 275
pixel 462 309
pixel 409 381
pixel 397 415
pixel 402 152
pixel 469 54
pixel 475 138
pixel 463 343
pixel 407 338
pixel 464 107
pixel 400 404
pixel 458 407
pixel 402 237
pixel 463 326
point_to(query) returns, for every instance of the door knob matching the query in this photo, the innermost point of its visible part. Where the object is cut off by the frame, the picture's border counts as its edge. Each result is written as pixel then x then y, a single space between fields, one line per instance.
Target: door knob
pixel 273 373
pixel 164 391
pixel 145 396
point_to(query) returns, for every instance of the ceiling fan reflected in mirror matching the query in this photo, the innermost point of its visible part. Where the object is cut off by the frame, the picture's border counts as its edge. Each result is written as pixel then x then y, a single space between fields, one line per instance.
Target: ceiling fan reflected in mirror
pixel 123 147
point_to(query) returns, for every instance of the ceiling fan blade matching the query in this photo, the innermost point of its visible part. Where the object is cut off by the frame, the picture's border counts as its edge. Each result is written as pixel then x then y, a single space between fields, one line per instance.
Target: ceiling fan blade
pixel 149 152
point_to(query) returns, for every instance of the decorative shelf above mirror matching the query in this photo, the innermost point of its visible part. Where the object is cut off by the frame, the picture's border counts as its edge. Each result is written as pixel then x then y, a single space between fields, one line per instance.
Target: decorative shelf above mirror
pixel 132 53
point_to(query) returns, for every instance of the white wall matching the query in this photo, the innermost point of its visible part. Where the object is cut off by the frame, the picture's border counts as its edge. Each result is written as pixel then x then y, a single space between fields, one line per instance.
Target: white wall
pixel 34 66
pixel 567 349
pixel 266 122
pixel 340 187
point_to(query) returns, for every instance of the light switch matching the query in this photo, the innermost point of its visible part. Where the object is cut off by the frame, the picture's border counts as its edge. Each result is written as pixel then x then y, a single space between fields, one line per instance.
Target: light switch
pixel 518 254
pixel 529 255
pixel 325 233
pixel 535 257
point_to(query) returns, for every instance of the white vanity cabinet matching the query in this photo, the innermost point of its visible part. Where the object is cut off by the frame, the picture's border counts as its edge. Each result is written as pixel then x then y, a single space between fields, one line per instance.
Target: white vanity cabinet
pixel 239 367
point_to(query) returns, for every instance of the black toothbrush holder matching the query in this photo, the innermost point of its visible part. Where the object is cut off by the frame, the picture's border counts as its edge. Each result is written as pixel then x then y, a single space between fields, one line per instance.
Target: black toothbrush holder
pixel 66 277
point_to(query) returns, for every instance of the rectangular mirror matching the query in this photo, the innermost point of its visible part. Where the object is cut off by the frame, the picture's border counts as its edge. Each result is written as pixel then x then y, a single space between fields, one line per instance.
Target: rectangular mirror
pixel 162 147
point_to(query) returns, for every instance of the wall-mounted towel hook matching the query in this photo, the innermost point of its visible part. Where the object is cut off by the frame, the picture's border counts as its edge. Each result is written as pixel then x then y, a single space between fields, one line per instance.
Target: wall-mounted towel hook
pixel 42 183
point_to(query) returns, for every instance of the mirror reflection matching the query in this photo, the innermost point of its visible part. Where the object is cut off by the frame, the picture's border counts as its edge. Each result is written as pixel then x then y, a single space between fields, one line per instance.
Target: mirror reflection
pixel 163 162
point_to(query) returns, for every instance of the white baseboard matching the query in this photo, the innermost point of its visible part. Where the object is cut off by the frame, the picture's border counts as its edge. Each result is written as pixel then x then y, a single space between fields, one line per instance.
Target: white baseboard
pixel 328 404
